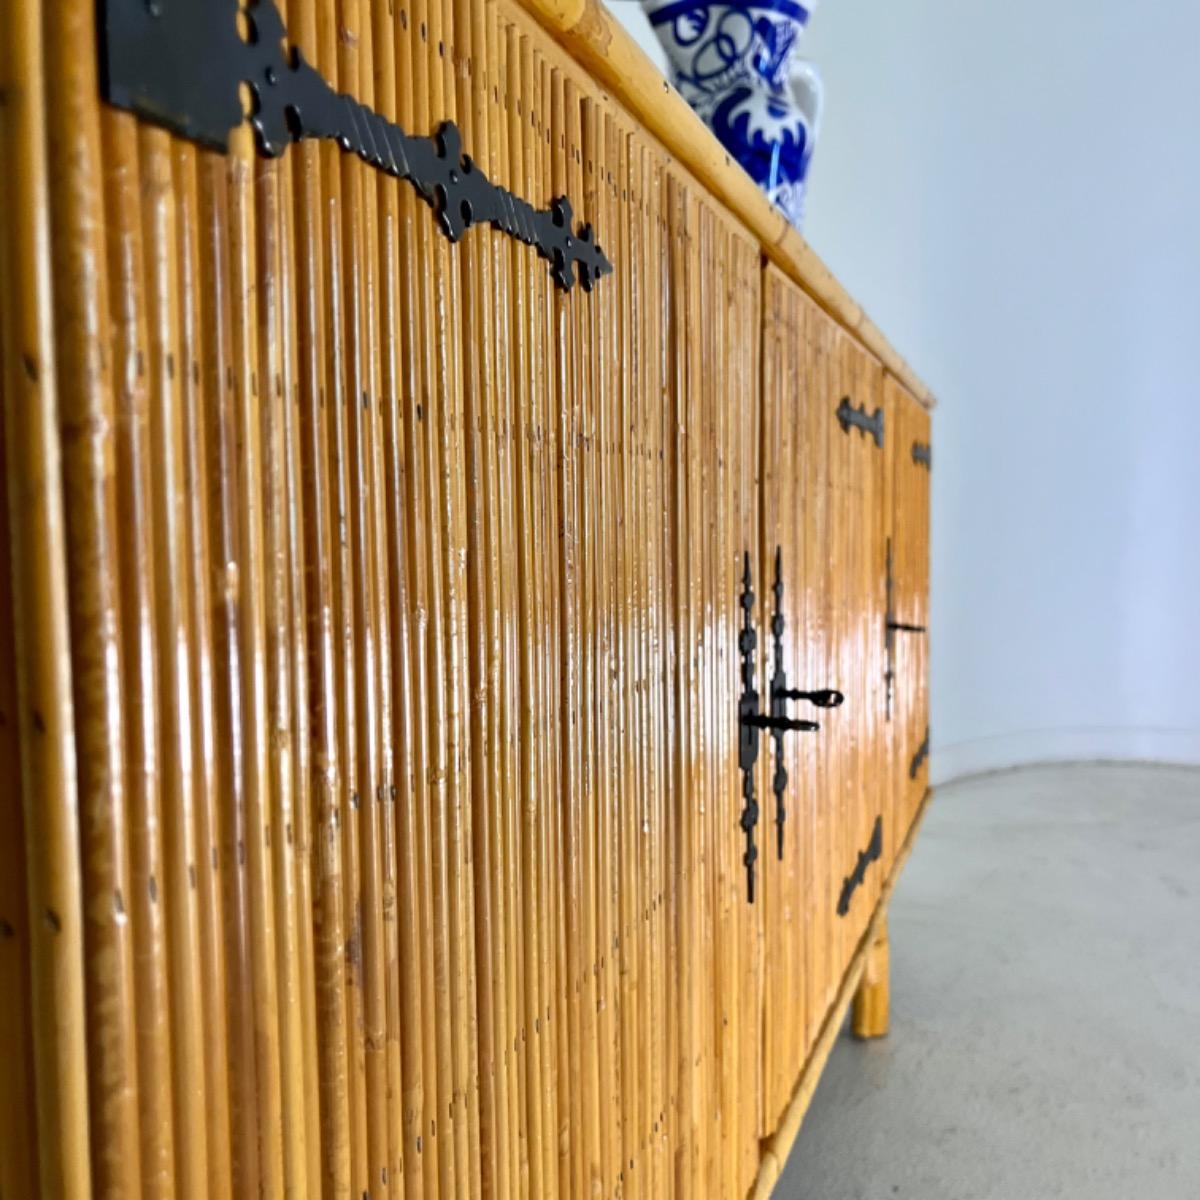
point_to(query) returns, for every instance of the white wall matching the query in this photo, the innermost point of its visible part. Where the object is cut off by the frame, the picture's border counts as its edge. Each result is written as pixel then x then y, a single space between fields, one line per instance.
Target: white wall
pixel 630 14
pixel 1013 192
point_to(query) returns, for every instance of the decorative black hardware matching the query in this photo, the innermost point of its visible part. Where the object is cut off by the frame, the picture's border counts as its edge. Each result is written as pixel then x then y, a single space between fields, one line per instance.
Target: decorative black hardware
pixel 866 857
pixel 763 721
pixel 751 720
pixel 848 415
pixel 901 627
pixel 922 455
pixel 181 63
pixel 891 627
pixel 826 698
pixel 780 695
pixel 747 728
pixel 779 780
pixel 918 760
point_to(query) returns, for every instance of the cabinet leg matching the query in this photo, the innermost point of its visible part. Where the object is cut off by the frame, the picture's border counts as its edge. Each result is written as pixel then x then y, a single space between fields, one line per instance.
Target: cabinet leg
pixel 870 1015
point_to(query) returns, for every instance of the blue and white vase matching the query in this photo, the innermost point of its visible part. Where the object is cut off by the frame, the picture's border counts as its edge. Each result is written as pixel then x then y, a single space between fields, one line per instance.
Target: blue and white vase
pixel 735 65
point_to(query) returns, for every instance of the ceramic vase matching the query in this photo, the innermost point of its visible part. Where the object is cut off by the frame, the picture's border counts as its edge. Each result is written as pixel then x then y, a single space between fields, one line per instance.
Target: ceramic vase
pixel 736 65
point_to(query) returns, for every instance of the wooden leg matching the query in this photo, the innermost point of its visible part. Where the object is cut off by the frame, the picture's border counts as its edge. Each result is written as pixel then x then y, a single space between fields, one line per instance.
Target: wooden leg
pixel 870 1017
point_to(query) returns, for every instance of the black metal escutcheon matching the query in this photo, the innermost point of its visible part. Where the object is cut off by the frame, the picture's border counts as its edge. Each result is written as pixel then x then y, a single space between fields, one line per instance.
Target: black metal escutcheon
pixel 752 720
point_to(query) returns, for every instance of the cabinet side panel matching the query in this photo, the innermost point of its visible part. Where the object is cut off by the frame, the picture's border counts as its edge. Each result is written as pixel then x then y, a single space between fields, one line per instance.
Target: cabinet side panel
pixel 825 503
pixel 857 471
pixel 912 466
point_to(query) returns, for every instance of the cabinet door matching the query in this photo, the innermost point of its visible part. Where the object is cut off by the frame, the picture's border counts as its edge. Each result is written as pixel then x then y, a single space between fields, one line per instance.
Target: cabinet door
pixel 851 393
pixel 796 821
pixel 909 544
pixel 824 508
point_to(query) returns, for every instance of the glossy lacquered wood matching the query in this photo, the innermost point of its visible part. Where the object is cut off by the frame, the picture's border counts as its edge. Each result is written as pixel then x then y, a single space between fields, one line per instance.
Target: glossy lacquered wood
pixel 369 659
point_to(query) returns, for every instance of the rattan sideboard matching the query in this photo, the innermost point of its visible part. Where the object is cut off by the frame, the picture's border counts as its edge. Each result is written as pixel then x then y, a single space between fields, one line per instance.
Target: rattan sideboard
pixel 398 794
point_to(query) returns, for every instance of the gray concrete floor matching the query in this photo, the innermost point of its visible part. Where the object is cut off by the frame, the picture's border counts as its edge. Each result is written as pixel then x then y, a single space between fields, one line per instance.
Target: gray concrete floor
pixel 1045 1032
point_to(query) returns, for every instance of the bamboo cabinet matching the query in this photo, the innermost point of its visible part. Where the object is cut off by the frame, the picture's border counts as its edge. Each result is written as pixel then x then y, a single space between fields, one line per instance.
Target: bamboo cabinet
pixel 392 638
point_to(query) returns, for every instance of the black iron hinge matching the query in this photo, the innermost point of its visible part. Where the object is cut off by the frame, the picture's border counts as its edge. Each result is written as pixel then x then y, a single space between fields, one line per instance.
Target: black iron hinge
pixel 866 857
pixel 922 455
pixel 182 64
pixel 848 416
pixel 918 759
